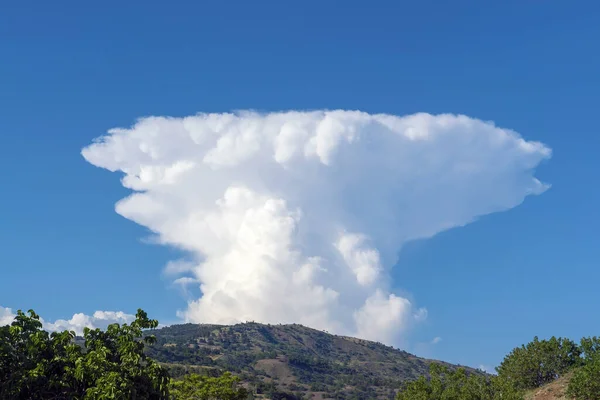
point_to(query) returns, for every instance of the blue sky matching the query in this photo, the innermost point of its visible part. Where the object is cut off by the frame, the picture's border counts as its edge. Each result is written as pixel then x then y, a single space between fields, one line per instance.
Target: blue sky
pixel 69 73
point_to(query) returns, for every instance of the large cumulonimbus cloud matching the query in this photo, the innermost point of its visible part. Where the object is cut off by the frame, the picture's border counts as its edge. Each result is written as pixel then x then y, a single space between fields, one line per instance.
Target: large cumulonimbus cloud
pixel 299 216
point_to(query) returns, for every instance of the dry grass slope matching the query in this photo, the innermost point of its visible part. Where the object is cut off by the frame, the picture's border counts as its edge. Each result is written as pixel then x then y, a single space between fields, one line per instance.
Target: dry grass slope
pixel 552 391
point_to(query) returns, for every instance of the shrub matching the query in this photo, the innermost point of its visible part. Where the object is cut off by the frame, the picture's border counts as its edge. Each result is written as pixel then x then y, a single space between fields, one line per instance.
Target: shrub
pixel 446 384
pixel 585 383
pixel 539 362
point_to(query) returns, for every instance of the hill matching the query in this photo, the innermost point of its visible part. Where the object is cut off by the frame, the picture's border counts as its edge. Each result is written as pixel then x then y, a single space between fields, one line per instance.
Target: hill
pixel 552 391
pixel 289 361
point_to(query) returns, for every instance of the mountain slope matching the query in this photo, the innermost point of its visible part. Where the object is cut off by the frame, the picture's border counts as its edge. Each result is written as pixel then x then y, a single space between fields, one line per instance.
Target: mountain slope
pixel 289 358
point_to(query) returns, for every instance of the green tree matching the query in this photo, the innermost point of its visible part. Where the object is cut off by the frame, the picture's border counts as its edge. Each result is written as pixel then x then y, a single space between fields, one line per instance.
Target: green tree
pixel 198 387
pixel 539 362
pixel 110 365
pixel 446 384
pixel 585 383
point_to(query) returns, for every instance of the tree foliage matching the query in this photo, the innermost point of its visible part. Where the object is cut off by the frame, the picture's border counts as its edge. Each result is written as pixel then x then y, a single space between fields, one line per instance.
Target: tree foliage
pixel 197 387
pixel 111 365
pixel 539 362
pixel 446 384
pixel 114 364
pixel 585 383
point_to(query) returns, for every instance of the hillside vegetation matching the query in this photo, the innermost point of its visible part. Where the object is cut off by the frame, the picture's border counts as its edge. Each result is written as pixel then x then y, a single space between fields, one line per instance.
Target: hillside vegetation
pixel 290 359
pixel 249 361
pixel 557 368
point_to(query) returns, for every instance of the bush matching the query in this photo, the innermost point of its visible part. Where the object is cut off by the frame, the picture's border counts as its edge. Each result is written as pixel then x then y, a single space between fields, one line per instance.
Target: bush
pixel 446 384
pixel 197 387
pixel 539 362
pixel 585 383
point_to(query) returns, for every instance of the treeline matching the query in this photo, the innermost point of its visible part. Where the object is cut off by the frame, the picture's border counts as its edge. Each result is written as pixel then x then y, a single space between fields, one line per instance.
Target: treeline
pixel 526 368
pixel 115 364
pixel 109 364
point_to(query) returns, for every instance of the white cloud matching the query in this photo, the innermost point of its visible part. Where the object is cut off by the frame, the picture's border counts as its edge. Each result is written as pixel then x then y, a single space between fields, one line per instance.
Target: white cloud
pixel 100 319
pixel 421 314
pixel 185 280
pixel 299 216
pixel 383 317
pixel 436 340
pixel 6 316
pixel 362 260
pixel 177 267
